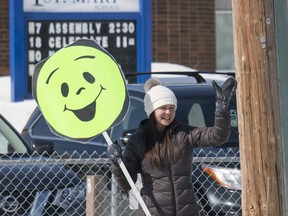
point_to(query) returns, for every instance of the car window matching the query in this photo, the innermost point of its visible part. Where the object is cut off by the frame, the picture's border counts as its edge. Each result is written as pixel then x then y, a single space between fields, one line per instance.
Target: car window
pixel 9 141
pixel 196 116
pixel 198 112
pixel 4 144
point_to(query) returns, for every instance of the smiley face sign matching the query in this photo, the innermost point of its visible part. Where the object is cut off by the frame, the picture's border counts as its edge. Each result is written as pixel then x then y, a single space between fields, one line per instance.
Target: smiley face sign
pixel 80 90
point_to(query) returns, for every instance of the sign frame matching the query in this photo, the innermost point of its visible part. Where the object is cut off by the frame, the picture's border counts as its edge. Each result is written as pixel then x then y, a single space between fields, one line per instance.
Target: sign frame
pixel 19 39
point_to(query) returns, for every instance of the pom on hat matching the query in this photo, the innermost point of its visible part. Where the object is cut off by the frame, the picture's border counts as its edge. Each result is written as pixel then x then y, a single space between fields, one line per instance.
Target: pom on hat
pixel 151 83
pixel 157 96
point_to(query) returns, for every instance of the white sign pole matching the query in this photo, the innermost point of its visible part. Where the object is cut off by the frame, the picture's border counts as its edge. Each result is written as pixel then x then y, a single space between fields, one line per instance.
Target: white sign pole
pixel 128 177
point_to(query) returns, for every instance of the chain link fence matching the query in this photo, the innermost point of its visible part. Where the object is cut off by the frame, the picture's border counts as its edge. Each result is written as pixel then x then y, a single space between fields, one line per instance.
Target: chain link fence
pixel 79 185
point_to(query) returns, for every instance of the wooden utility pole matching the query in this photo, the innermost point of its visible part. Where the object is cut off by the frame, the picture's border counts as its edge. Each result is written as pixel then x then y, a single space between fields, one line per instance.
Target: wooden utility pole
pixel 258 108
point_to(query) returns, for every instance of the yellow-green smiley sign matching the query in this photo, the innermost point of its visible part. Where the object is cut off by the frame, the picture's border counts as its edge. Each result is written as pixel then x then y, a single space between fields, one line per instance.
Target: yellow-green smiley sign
pixel 80 90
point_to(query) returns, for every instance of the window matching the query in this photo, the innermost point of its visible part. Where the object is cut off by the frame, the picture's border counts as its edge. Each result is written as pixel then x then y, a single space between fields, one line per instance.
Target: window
pixel 9 141
pixel 4 144
pixel 224 29
pixel 195 116
pixel 198 112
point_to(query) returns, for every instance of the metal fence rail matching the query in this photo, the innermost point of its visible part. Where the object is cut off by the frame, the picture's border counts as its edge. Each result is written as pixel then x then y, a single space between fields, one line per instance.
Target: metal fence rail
pixel 77 186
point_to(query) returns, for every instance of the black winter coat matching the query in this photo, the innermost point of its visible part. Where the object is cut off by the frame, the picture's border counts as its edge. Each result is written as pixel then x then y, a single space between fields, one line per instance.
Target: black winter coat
pixel 169 192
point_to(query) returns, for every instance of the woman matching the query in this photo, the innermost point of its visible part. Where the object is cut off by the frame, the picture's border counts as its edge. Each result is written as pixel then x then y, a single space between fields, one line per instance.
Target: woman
pixel 162 150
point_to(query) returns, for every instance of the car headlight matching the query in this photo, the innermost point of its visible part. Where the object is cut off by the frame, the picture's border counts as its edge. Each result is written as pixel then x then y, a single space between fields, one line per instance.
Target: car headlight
pixel 70 196
pixel 227 177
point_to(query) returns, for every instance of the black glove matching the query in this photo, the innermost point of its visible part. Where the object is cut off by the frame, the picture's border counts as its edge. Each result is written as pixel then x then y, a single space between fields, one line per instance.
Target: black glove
pixel 114 152
pixel 224 94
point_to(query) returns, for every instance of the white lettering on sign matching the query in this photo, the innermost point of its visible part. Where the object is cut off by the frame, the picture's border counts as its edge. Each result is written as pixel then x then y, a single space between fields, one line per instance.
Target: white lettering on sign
pixel 31 69
pixel 123 27
pixel 34 27
pixel 59 42
pixel 74 28
pixel 31 27
pixel 98 27
pixel 81 6
pixel 31 55
pixel 131 42
pixel 45 37
pixel 34 55
pixel 35 42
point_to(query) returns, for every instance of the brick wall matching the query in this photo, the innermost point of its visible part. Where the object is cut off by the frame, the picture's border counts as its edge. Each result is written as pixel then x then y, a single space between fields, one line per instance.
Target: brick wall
pixel 4 37
pixel 183 32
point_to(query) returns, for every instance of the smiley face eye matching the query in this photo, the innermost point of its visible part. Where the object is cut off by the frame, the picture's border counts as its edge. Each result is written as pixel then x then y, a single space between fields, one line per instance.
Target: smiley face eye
pixel 88 77
pixel 64 89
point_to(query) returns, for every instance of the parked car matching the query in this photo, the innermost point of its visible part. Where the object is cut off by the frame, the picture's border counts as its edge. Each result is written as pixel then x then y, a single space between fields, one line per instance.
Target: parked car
pixel 217 182
pixel 28 187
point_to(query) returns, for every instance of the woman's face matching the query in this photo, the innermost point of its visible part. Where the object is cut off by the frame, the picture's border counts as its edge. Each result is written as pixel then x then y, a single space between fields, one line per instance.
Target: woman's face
pixel 164 115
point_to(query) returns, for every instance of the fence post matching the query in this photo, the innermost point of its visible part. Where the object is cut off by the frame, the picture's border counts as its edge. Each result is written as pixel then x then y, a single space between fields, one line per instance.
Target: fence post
pixel 94 195
pixel 114 192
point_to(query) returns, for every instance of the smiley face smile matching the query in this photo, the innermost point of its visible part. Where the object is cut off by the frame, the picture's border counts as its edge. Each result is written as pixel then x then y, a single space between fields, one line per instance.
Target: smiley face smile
pixel 88 112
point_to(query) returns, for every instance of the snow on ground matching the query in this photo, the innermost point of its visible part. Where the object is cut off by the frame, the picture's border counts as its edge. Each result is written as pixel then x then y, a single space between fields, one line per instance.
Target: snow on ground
pixel 16 113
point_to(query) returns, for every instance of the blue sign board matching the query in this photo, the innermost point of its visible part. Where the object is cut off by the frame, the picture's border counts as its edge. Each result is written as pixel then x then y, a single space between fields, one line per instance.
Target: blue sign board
pixel 38 28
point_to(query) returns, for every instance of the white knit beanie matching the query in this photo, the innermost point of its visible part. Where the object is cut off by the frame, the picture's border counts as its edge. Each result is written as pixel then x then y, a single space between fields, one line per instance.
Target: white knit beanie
pixel 157 96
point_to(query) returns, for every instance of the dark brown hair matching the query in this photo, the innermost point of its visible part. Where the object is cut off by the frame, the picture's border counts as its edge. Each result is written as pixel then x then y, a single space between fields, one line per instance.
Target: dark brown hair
pixel 158 144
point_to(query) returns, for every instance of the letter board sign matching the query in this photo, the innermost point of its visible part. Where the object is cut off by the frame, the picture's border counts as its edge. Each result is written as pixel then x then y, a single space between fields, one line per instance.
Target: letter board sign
pixel 38 28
